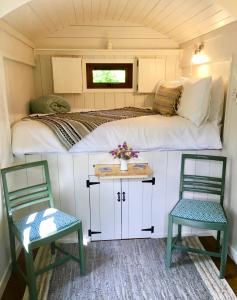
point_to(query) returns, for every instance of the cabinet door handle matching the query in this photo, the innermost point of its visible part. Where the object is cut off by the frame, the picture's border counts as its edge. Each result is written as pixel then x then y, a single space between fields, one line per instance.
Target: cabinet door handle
pixel 123 196
pixel 118 196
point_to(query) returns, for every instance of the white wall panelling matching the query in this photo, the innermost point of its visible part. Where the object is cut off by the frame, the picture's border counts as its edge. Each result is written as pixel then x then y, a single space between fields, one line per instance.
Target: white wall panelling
pixel 108 99
pixel 20 88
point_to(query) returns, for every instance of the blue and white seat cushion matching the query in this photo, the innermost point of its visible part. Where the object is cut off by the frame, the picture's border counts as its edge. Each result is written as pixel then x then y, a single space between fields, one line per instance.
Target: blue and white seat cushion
pixel 199 210
pixel 42 224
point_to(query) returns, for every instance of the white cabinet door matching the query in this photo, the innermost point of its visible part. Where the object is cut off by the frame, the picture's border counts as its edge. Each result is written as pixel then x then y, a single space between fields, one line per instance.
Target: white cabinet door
pixel 120 209
pixel 105 209
pixel 136 209
pixel 67 74
pixel 150 71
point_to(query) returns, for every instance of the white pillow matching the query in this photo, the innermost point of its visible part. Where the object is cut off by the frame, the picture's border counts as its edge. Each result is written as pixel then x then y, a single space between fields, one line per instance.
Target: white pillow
pixel 217 100
pixel 195 99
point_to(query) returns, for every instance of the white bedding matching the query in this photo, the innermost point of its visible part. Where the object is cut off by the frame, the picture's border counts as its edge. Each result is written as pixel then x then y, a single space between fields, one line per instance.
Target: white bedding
pixel 145 133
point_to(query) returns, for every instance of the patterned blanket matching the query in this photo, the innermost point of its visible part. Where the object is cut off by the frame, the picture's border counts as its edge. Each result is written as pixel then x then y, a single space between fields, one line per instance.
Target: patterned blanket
pixel 70 128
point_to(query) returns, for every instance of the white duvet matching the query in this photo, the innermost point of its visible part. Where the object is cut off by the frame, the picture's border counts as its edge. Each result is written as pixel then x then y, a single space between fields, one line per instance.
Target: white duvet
pixel 154 132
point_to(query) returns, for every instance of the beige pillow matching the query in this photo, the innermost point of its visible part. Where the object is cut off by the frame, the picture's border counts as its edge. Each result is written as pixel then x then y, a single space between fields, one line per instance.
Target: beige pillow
pixel 166 100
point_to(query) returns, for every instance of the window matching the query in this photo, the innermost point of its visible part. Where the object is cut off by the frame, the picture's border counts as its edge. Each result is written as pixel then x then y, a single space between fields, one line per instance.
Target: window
pixel 109 75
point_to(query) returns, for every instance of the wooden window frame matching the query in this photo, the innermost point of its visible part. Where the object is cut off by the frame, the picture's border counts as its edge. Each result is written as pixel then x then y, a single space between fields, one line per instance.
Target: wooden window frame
pixel 128 67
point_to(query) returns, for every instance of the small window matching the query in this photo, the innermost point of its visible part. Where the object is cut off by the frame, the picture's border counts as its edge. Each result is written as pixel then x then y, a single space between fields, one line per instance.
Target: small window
pixel 109 75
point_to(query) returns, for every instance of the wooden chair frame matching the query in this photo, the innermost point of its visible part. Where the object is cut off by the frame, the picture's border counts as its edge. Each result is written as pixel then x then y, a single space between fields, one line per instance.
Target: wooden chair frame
pixel 200 184
pixel 35 194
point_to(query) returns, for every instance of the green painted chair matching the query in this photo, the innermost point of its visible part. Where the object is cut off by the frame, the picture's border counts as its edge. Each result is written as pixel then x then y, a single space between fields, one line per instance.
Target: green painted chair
pixel 39 228
pixel 198 213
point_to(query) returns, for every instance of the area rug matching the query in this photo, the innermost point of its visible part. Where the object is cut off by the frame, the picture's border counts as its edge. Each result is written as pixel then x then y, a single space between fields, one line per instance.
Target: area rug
pixel 133 269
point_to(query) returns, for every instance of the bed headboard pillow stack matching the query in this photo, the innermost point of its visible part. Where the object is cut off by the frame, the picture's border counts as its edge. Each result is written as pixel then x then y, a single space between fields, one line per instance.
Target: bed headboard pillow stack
pixel 49 104
pixel 166 100
pixel 201 100
pixel 195 100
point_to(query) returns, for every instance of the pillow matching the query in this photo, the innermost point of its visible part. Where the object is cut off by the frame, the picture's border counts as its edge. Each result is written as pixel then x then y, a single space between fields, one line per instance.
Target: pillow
pixel 195 99
pixel 49 104
pixel 217 100
pixel 171 83
pixel 166 99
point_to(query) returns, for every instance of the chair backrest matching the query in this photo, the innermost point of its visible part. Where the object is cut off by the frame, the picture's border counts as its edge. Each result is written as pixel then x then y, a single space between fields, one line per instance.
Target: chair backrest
pixel 30 195
pixel 203 184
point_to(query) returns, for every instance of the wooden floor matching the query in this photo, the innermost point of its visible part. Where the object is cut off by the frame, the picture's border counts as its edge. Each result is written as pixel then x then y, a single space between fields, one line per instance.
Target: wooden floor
pixel 16 285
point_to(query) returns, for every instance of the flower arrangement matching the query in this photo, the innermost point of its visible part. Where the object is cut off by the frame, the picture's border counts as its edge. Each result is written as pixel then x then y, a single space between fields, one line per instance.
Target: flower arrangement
pixel 124 152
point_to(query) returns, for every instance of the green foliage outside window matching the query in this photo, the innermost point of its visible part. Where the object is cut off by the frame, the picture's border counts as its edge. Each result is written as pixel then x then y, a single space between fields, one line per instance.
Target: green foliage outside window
pixel 108 76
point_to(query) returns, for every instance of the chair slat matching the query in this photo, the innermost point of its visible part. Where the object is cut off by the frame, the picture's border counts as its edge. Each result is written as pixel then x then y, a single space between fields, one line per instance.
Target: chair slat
pixel 29 203
pixel 199 190
pixel 209 178
pixel 27 189
pixel 201 184
pixel 29 197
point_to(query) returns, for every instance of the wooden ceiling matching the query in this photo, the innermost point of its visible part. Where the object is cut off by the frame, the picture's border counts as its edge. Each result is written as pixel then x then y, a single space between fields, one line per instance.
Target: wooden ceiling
pixel 179 20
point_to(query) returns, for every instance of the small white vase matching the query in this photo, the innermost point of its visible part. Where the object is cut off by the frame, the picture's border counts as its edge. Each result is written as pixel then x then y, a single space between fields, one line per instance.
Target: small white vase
pixel 123 165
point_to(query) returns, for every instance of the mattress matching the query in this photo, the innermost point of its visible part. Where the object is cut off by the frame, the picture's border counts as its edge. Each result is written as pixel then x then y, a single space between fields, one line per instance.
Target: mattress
pixel 144 133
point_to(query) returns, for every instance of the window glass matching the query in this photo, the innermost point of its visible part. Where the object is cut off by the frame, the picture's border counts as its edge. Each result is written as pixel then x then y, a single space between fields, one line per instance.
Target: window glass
pixel 109 75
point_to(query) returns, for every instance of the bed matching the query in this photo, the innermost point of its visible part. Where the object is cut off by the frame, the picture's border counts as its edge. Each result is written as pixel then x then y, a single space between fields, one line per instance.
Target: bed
pixel 145 133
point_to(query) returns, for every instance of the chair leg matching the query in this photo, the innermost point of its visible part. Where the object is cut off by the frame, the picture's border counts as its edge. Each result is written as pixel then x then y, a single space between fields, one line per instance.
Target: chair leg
pixel 52 245
pixel 31 277
pixel 13 251
pixel 179 232
pixel 81 251
pixel 169 242
pixel 224 250
pixel 219 237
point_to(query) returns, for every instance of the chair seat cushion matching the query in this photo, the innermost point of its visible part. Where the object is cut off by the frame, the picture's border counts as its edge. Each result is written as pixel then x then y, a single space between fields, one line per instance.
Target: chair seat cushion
pixel 199 210
pixel 43 223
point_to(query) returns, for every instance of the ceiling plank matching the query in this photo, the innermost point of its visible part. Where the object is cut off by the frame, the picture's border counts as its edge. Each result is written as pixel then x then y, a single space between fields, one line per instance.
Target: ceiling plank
pixel 8 6
pixel 229 5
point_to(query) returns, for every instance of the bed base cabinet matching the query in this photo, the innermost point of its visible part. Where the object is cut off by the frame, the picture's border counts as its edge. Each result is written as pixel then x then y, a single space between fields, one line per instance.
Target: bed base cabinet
pixel 120 209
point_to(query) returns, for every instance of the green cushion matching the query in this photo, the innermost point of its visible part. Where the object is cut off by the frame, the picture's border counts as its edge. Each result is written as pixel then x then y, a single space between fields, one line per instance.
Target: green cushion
pixel 49 104
pixel 199 210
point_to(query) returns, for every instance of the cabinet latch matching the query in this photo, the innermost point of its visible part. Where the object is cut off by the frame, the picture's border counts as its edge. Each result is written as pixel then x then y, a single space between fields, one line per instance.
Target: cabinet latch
pixel 152 181
pixel 90 232
pixel 151 229
pixel 89 183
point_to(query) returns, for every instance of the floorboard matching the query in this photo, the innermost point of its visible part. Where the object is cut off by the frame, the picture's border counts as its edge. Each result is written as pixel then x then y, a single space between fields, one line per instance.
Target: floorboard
pixel 16 285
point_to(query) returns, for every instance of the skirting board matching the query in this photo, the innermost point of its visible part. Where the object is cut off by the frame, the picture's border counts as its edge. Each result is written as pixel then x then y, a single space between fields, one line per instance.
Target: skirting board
pixel 7 273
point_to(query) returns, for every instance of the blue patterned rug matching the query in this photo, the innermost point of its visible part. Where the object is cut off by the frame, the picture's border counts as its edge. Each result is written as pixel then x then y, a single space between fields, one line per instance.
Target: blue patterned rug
pixel 133 269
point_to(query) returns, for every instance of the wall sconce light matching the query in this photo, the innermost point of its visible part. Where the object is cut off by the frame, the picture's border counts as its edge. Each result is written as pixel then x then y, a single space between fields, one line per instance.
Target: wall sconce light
pixel 199 57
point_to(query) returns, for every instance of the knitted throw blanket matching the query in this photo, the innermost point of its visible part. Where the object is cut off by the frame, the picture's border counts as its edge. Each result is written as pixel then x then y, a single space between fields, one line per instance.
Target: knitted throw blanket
pixel 70 128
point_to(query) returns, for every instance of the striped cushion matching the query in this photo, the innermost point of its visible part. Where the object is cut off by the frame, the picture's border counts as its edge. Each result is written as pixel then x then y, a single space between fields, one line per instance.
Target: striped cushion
pixel 199 210
pixel 166 100
pixel 43 223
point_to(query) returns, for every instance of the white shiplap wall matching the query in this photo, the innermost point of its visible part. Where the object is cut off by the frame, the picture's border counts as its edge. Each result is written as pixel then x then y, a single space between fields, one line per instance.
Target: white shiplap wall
pixel 20 88
pixel 44 82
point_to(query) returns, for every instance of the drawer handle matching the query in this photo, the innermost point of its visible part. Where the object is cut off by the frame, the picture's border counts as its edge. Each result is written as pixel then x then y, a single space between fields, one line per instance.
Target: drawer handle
pixel 118 196
pixel 123 197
